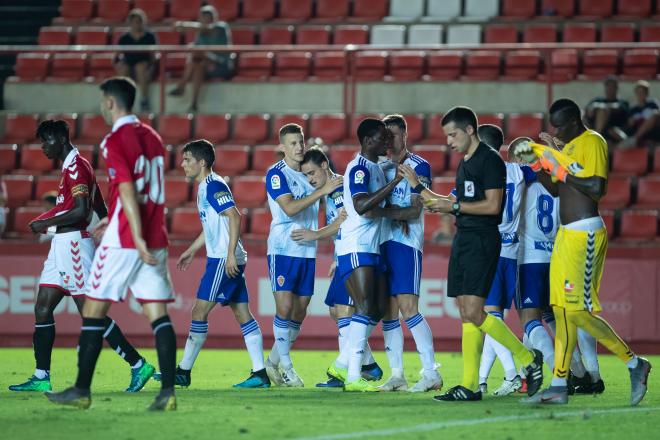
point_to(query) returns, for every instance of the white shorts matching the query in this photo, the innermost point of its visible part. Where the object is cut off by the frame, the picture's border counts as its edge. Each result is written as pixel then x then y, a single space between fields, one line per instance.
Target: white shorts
pixel 68 263
pixel 115 270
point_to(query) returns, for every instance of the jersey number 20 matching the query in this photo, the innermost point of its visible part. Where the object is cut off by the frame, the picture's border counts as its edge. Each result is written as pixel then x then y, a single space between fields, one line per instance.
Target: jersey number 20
pixel 150 185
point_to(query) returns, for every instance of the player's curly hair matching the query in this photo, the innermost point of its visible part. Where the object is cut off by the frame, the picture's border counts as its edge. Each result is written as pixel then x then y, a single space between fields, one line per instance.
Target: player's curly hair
pixel 369 127
pixel 201 149
pixel 53 127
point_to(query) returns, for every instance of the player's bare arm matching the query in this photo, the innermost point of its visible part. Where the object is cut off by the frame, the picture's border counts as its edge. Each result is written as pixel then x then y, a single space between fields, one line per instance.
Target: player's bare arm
pixel 79 212
pixel 303 235
pixel 401 213
pixel 413 180
pixel 231 266
pixel 366 202
pixel 132 213
pixel 187 256
pixel 293 207
pixel 491 205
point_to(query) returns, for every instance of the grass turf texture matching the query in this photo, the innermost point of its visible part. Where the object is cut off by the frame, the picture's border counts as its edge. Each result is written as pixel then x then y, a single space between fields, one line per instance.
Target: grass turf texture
pixel 212 409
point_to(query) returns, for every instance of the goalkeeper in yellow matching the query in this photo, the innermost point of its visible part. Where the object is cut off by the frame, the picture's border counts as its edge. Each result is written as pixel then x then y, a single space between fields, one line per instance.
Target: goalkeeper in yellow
pixel 578 176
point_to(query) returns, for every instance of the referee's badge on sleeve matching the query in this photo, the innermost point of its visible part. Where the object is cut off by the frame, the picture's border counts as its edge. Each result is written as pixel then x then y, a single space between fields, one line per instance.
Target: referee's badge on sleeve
pixel 469 188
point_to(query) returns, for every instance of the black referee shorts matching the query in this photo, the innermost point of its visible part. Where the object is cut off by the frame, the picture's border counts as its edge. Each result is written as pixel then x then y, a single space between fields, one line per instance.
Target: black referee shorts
pixel 473 262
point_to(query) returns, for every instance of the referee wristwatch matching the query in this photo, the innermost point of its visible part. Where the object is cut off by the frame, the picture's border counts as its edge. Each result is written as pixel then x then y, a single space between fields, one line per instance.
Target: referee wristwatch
pixel 456 208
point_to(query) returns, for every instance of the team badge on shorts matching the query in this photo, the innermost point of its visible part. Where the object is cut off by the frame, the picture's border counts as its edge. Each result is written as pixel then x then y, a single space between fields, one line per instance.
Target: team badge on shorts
pixel 275 182
pixel 568 287
pixel 359 176
pixel 280 281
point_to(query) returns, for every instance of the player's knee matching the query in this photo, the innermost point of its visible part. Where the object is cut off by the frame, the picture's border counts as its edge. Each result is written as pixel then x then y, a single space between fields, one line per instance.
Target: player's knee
pixel 43 312
pixel 473 316
pixel 199 313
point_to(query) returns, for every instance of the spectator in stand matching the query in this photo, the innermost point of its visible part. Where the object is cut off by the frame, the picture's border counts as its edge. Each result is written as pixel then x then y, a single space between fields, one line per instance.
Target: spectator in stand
pixel 200 66
pixel 643 119
pixel 137 65
pixel 608 115
pixel 3 210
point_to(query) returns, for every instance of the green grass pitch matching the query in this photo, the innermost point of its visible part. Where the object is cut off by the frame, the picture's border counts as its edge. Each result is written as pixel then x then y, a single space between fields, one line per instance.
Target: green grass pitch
pixel 212 409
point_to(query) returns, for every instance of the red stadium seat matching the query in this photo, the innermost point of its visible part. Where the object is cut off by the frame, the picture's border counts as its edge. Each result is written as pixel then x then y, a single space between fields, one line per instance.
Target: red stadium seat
pixel 500 33
pixel 560 8
pixel 293 65
pixel 254 66
pixel 540 33
pixel 331 128
pixel 415 127
pixel 87 152
pixel 633 8
pixel 618 193
pixel 444 65
pixel 407 65
pixel 370 65
pixel 443 185
pixel 295 10
pixel 8 157
pixel 435 155
pixel 258 10
pixel 175 129
pixel 117 32
pixel 227 9
pixel 55 35
pixel 524 125
pixel 580 33
pixel 313 34
pixel 595 8
pixel 20 129
pixel 92 35
pixel 168 36
pixel 185 223
pixel 617 33
pixel 648 193
pixel 68 66
pixel 369 10
pixel 331 10
pixel 177 191
pixel 649 33
pixel 245 35
pixel 518 8
pixel 431 225
pixel 522 64
pixel 33 159
pixel 185 9
pixel 260 223
pixel 232 159
pixel 634 161
pixel 640 63
pixel 156 10
pixel 492 118
pixel 46 184
pixel 351 34
pixel 93 129
pixel 329 65
pixel 250 129
pixel 102 65
pixel 214 128
pixel 19 189
pixel 75 11
pixel 22 218
pixel 273 35
pixel 249 191
pixel 113 11
pixel 263 157
pixel 32 66
pixel 434 133
pixel 280 120
pixel 608 219
pixel 454 160
pixel 70 118
pixel 564 64
pixel 482 65
pixel 599 63
pixel 639 225
pixel 341 155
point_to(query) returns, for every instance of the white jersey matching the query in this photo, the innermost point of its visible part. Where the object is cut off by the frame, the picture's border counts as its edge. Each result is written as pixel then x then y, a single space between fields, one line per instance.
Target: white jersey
pixel 214 198
pixel 539 225
pixel 280 180
pixel 516 181
pixel 333 203
pixel 358 233
pixel 401 196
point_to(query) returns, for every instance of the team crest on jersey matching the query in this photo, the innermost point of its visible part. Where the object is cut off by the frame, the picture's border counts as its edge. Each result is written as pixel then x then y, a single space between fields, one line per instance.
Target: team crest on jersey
pixel 469 188
pixel 280 281
pixel 359 177
pixel 575 168
pixel 112 173
pixel 275 182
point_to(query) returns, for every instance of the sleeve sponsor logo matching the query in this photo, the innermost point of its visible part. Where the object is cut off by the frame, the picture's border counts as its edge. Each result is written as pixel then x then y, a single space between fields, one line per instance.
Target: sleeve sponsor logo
pixel 223 197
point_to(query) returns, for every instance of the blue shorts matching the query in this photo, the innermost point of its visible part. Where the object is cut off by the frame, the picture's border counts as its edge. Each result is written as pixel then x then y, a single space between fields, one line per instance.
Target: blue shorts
pixel 503 289
pixel 216 286
pixel 337 293
pixel 346 264
pixel 403 266
pixel 292 274
pixel 533 286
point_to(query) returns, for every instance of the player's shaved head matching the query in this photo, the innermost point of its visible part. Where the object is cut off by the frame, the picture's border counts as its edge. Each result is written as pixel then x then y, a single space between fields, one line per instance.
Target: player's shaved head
pixel 369 127
pixel 316 156
pixel 122 89
pixel 491 135
pixel 396 120
pixel 565 110
pixel 58 129
pixel 462 117
pixel 201 149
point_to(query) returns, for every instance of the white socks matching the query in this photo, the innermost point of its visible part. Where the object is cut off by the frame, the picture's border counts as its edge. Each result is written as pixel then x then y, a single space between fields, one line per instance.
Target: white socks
pixel 424 341
pixel 254 343
pixel 196 337
pixel 357 339
pixel 488 356
pixel 393 336
pixel 538 338
pixel 280 353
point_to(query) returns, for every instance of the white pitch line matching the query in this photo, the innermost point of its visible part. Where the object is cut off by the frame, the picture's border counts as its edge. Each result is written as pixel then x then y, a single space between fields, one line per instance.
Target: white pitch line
pixel 472 422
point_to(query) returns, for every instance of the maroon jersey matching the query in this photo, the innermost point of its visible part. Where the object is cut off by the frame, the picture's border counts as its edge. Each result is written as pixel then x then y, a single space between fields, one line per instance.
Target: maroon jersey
pixel 134 153
pixel 77 180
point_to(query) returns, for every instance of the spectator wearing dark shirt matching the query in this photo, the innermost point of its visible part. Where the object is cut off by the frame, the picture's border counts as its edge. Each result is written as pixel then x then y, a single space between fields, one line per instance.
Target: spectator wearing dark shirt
pixel 608 115
pixel 643 119
pixel 137 65
pixel 200 66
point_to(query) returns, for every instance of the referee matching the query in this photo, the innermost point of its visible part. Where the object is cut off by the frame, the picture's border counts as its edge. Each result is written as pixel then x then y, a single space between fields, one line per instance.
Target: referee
pixel 478 205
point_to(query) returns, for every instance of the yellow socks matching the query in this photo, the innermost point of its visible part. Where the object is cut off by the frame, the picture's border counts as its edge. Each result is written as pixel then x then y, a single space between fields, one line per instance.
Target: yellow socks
pixel 472 345
pixel 565 340
pixel 603 332
pixel 499 331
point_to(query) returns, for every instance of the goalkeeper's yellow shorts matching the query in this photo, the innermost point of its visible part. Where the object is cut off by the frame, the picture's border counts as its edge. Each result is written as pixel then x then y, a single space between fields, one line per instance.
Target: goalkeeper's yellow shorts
pixel 576 268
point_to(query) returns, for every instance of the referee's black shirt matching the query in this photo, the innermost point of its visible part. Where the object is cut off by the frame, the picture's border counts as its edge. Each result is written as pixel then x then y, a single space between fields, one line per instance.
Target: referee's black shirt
pixel 484 170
